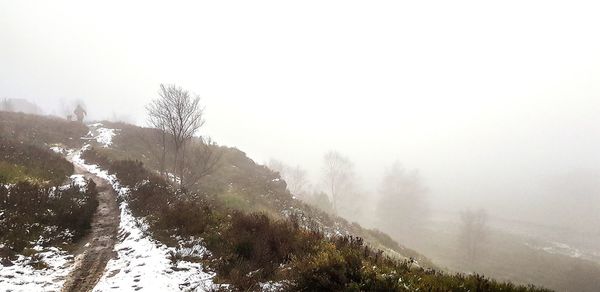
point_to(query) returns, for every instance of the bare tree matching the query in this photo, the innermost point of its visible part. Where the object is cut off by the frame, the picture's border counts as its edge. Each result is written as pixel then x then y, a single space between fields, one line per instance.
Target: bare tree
pixel 320 200
pixel 177 113
pixel 156 144
pixel 338 174
pixel 7 105
pixel 157 118
pixel 473 232
pixel 204 158
pixel 298 180
pixel 278 166
pixel 402 207
pixel 295 177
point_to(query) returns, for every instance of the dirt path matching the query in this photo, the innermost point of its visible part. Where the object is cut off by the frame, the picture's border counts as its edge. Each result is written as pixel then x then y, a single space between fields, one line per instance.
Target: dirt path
pixel 97 248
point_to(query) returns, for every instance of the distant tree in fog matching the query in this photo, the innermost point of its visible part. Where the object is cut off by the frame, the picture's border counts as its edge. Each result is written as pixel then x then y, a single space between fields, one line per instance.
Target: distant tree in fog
pixel 402 206
pixel 177 113
pixel 277 165
pixel 203 158
pixel 298 180
pixel 157 118
pixel 20 105
pixel 338 176
pixel 473 232
pixel 6 105
pixel 320 200
pixel 295 177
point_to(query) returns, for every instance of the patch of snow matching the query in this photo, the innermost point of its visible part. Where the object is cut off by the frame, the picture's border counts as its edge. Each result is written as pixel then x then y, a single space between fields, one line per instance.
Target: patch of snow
pixel 272 286
pixel 22 277
pixel 143 263
pixel 562 248
pixel 79 180
pixel 105 136
pixel 558 248
pixel 92 168
pixel 58 149
pixel 173 178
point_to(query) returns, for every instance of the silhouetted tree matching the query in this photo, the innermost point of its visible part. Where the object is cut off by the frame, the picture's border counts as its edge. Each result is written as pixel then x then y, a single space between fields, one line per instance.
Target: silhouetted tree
pixel 7 105
pixel 402 206
pixel 203 159
pixel 338 173
pixel 157 118
pixel 473 232
pixel 295 177
pixel 177 113
pixel 321 201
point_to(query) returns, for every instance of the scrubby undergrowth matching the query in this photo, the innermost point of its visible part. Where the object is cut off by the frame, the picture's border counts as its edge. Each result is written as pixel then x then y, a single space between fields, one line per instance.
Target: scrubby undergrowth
pixel 32 215
pixel 41 204
pixel 244 185
pixel 250 250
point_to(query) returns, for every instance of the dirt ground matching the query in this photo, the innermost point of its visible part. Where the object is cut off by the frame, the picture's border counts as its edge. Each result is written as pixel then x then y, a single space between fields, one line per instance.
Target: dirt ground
pixel 97 248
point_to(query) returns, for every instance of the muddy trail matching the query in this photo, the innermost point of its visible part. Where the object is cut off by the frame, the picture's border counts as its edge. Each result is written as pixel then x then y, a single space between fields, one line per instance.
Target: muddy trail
pixel 96 249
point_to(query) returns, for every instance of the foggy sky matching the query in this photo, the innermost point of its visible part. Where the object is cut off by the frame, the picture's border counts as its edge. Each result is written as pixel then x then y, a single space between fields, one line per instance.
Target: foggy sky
pixel 494 103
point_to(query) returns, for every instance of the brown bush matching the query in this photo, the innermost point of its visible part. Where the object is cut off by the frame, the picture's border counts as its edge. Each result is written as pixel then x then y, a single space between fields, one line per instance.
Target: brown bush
pixel 28 212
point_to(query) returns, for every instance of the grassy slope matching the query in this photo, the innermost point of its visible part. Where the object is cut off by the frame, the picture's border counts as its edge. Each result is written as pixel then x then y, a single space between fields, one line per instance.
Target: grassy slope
pixel 32 210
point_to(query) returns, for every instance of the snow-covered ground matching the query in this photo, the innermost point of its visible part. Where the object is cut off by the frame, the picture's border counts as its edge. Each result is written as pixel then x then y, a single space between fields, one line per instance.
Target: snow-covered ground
pixel 558 248
pixel 104 136
pixel 20 275
pixel 58 149
pixel 143 263
pixel 79 180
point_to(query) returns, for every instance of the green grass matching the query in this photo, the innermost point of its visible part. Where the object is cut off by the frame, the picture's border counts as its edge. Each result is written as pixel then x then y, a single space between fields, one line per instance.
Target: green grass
pixel 25 162
pixel 11 173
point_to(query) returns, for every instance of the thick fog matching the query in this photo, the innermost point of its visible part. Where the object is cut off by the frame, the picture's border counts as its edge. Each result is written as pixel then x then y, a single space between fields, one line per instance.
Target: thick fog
pixel 496 104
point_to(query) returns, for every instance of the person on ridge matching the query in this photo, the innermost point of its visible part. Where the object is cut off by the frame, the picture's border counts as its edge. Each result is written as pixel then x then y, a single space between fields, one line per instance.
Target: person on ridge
pixel 80 113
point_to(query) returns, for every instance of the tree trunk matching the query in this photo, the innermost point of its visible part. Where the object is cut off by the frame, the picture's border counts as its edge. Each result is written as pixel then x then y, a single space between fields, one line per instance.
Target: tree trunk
pixel 163 159
pixel 182 165
pixel 174 174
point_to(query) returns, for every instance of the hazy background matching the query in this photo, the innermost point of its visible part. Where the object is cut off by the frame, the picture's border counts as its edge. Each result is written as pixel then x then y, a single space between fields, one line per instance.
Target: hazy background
pixel 497 104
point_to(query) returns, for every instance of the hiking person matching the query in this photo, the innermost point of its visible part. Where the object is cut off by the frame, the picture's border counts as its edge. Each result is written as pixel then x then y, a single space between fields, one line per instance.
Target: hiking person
pixel 80 113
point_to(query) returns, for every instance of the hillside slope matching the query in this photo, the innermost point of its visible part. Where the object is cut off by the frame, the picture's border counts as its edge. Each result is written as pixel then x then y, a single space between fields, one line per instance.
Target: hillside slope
pixel 245 185
pixel 235 229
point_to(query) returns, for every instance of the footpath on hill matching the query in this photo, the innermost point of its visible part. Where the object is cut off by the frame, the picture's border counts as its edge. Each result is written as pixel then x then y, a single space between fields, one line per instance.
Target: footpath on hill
pixel 98 247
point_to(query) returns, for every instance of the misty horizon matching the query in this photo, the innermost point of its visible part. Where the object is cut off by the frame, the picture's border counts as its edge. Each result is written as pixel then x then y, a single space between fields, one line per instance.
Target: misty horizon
pixel 488 121
pixel 460 136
